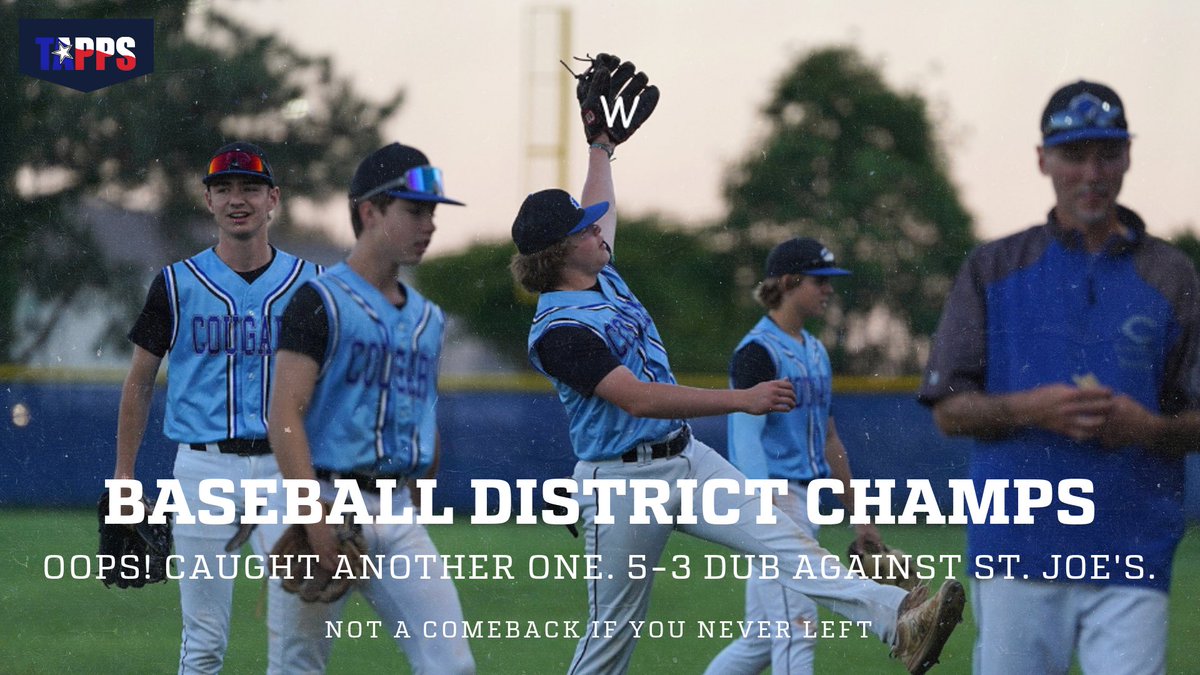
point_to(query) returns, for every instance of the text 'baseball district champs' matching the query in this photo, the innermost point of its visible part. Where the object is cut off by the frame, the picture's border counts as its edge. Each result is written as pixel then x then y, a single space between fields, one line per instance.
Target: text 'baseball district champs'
pixel 531 502
pixel 702 502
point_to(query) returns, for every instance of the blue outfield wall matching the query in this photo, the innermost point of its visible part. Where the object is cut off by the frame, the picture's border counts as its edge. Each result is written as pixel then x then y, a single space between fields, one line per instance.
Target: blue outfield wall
pixel 64 449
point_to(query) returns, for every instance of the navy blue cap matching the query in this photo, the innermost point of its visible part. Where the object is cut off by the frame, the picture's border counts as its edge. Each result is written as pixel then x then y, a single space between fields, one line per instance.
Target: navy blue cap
pixel 400 171
pixel 548 217
pixel 1083 111
pixel 802 256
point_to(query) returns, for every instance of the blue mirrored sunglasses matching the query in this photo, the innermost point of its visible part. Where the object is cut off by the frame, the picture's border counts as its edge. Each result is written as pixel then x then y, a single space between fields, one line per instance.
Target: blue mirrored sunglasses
pixel 1085 111
pixel 421 180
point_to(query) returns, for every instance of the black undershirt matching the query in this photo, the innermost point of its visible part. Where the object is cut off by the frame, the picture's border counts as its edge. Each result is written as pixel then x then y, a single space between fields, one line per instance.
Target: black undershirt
pixel 576 356
pixel 305 328
pixel 751 365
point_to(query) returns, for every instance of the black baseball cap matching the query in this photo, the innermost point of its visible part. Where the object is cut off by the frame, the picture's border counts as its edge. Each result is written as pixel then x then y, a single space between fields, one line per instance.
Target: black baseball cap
pixel 548 217
pixel 400 171
pixel 239 159
pixel 1083 111
pixel 802 256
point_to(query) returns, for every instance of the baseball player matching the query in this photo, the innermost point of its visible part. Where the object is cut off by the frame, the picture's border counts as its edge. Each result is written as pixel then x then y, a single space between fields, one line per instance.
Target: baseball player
pixel 213 317
pixel 355 399
pixel 799 446
pixel 600 348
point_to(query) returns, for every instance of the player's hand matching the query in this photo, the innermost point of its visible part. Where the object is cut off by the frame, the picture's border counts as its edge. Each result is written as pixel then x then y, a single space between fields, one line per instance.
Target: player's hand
pixel 1079 413
pixel 324 541
pixel 1128 423
pixel 768 397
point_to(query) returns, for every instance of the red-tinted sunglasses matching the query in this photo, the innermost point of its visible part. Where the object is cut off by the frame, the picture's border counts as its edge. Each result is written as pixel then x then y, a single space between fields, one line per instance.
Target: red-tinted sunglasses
pixel 238 162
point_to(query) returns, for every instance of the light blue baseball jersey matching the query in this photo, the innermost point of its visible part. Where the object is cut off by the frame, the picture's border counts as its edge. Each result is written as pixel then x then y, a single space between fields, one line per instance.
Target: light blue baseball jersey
pixel 600 430
pixel 787 445
pixel 224 331
pixel 373 407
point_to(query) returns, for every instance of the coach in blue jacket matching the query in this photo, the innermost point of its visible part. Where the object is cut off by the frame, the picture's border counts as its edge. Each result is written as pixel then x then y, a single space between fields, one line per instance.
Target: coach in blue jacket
pixel 1068 351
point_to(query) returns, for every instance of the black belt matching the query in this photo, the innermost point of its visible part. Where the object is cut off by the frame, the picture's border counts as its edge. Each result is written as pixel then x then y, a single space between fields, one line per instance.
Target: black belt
pixel 237 446
pixel 665 449
pixel 365 481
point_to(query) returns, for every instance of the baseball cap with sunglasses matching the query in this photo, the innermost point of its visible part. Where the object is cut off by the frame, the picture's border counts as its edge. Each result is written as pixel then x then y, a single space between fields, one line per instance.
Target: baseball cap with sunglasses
pixel 399 171
pixel 239 159
pixel 1083 111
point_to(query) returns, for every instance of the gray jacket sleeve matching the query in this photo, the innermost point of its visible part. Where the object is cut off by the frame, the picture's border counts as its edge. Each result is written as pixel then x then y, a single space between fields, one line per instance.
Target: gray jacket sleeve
pixel 958 357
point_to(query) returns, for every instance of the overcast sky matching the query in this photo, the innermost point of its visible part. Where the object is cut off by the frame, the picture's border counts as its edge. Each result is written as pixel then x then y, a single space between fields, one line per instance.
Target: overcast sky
pixel 987 68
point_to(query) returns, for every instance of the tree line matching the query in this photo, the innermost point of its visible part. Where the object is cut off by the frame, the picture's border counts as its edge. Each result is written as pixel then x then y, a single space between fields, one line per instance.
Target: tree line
pixel 846 159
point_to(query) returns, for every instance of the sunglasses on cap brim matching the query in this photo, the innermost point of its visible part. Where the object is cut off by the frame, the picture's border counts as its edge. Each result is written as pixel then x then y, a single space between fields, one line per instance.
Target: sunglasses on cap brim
pixel 1085 111
pixel 418 184
pixel 238 161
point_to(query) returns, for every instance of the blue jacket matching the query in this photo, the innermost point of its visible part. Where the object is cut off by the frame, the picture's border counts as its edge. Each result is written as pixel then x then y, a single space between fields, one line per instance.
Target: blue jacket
pixel 1036 308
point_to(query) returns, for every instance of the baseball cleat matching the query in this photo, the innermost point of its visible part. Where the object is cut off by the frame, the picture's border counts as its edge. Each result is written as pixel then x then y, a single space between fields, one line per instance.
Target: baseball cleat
pixel 924 624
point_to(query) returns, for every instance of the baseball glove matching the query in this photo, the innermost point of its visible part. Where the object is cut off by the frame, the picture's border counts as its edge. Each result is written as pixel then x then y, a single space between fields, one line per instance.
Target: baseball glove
pixel 613 97
pixel 885 565
pixel 139 552
pixel 309 580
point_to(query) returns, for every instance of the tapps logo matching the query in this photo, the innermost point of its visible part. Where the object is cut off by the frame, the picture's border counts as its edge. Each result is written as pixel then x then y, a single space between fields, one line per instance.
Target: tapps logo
pixel 86 54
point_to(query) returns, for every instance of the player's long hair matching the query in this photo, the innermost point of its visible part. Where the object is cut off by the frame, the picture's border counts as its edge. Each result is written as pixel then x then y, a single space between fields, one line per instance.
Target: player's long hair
pixel 540 272
pixel 769 292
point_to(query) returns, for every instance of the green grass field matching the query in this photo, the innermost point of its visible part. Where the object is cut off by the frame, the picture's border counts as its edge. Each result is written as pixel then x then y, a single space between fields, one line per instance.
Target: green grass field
pixel 63 626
